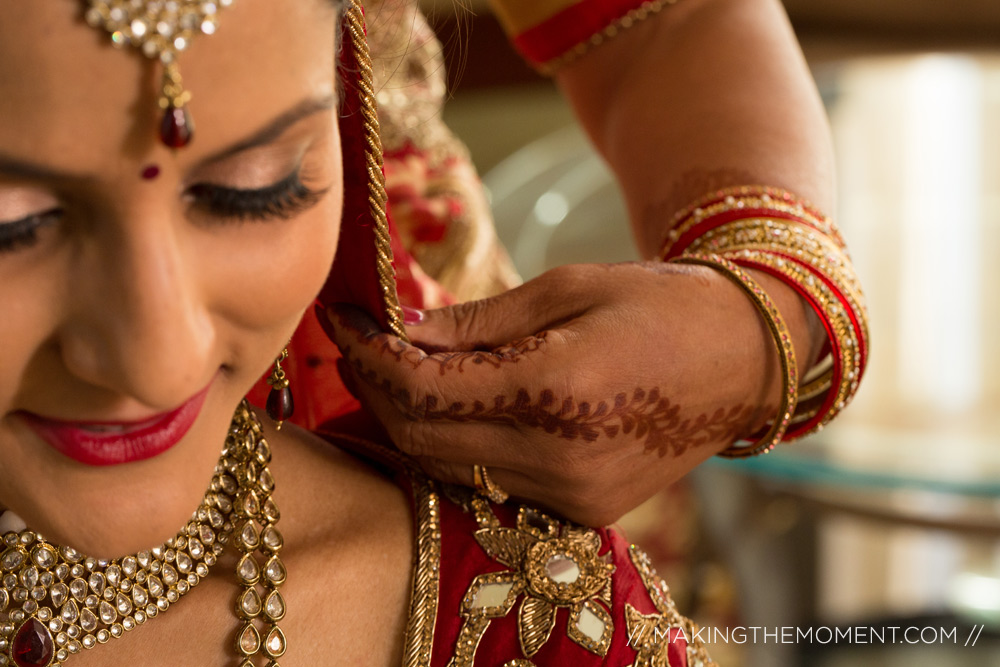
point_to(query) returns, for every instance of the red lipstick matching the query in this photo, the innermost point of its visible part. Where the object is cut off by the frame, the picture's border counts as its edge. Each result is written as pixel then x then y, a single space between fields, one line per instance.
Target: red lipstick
pixel 100 443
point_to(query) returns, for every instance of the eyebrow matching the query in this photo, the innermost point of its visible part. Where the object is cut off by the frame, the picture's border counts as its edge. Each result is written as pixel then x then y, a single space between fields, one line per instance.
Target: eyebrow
pixel 274 129
pixel 37 172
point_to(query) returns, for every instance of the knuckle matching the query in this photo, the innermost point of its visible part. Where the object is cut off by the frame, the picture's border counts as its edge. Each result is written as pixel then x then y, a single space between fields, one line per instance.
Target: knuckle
pixel 474 317
pixel 589 505
pixel 566 274
pixel 414 438
pixel 446 471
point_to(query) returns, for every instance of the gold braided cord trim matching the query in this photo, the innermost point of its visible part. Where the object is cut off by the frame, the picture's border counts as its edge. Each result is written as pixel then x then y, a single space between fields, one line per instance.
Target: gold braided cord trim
pixel 376 178
pixel 611 31
pixel 426 575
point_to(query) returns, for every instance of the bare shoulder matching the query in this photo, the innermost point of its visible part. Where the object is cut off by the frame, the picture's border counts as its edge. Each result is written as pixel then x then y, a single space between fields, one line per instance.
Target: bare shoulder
pixel 348 532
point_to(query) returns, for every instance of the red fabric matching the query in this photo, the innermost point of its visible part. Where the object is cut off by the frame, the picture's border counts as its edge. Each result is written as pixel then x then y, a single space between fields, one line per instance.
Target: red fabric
pixel 318 390
pixel 573 25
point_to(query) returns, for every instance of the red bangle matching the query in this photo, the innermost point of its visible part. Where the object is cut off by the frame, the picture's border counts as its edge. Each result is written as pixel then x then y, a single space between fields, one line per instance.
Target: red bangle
pixel 843 336
pixel 730 204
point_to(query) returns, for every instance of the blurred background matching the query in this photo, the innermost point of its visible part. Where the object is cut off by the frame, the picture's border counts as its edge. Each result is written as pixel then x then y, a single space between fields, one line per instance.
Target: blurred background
pixel 891 517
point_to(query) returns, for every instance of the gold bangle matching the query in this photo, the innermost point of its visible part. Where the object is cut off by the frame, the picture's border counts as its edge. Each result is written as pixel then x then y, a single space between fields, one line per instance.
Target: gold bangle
pixel 839 321
pixel 788 247
pixel 748 197
pixel 794 239
pixel 487 487
pixel 783 344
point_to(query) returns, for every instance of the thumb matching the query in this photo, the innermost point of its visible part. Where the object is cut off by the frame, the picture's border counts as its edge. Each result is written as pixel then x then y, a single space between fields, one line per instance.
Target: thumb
pixel 535 306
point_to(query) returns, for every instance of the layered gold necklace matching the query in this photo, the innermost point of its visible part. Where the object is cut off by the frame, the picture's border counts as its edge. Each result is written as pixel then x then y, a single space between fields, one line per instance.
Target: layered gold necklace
pixel 56 602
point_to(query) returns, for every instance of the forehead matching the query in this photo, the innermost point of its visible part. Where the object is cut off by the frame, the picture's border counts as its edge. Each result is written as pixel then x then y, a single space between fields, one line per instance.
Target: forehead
pixel 70 99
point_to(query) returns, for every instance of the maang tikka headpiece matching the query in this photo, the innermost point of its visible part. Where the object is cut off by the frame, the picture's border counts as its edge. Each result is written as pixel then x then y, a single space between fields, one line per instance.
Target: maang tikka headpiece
pixel 161 29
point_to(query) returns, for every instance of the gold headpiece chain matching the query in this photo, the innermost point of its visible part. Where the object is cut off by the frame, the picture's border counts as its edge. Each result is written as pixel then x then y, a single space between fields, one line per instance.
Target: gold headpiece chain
pixel 161 29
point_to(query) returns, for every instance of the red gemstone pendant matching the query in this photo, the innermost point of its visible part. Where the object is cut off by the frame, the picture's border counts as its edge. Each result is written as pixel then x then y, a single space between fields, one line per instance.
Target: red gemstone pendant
pixel 279 404
pixel 176 128
pixel 32 645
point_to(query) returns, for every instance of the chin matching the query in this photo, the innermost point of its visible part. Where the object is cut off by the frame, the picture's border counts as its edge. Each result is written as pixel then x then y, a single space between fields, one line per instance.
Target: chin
pixel 113 525
pixel 115 511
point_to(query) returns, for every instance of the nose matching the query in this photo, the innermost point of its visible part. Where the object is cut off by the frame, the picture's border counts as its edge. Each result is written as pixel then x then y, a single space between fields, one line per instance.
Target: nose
pixel 141 326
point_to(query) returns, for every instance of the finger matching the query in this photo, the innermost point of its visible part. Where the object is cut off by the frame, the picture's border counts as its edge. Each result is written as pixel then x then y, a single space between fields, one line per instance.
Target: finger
pixel 546 302
pixel 494 408
pixel 423 384
pixel 454 435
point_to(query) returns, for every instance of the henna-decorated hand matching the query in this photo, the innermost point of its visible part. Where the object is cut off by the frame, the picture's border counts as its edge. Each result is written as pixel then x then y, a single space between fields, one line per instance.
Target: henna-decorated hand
pixel 587 389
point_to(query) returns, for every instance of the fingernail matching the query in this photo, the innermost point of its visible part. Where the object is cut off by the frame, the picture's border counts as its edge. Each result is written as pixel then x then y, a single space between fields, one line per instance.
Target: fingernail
pixel 324 321
pixel 412 316
pixel 347 377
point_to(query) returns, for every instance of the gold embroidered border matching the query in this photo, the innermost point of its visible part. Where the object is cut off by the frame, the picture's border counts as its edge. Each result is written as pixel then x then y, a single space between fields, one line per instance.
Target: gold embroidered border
pixel 697 655
pixel 424 593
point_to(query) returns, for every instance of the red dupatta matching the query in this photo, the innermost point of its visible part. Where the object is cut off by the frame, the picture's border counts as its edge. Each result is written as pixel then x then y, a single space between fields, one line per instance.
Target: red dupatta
pixel 371 268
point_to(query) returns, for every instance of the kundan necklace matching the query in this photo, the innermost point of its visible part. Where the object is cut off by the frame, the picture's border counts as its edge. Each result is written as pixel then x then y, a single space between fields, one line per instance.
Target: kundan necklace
pixel 55 602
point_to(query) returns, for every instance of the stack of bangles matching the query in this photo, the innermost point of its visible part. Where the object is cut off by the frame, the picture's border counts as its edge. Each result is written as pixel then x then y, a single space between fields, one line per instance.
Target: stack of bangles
pixel 771 230
pixel 750 227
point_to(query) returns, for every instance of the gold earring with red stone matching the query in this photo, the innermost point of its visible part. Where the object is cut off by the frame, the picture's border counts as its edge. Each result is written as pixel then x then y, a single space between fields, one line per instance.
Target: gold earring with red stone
pixel 280 405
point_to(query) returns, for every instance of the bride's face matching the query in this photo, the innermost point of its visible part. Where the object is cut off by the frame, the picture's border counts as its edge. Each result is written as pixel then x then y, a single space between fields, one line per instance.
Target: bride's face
pixel 144 290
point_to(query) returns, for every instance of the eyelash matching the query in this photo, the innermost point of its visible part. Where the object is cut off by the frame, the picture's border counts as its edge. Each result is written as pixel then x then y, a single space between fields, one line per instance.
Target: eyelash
pixel 282 200
pixel 23 233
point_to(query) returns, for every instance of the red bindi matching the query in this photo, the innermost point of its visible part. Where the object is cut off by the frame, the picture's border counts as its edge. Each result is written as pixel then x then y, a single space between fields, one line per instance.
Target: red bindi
pixel 150 172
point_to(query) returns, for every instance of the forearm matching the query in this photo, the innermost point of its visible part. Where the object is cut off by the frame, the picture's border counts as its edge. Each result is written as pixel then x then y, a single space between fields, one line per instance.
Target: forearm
pixel 705 94
pixel 686 99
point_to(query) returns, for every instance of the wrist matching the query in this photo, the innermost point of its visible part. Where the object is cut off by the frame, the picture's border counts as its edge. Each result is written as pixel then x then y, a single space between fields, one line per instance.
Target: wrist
pixel 808 334
pixel 799 260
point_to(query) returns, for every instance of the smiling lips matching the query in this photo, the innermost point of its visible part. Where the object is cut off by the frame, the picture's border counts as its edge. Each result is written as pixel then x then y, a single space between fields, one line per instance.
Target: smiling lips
pixel 114 443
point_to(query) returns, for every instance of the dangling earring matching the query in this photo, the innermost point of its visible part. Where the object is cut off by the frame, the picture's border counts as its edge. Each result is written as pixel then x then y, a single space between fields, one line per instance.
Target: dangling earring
pixel 279 402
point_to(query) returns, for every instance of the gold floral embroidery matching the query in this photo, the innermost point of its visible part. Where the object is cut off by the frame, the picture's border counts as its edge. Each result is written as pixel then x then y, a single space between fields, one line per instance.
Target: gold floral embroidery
pixel 554 566
pixel 649 634
pixel 469 637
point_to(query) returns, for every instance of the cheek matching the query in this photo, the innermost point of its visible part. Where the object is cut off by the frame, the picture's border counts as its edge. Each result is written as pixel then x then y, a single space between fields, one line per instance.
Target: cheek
pixel 32 292
pixel 274 270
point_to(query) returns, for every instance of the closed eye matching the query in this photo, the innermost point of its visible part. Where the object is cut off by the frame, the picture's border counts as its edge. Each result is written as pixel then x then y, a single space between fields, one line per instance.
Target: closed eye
pixel 23 233
pixel 282 200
